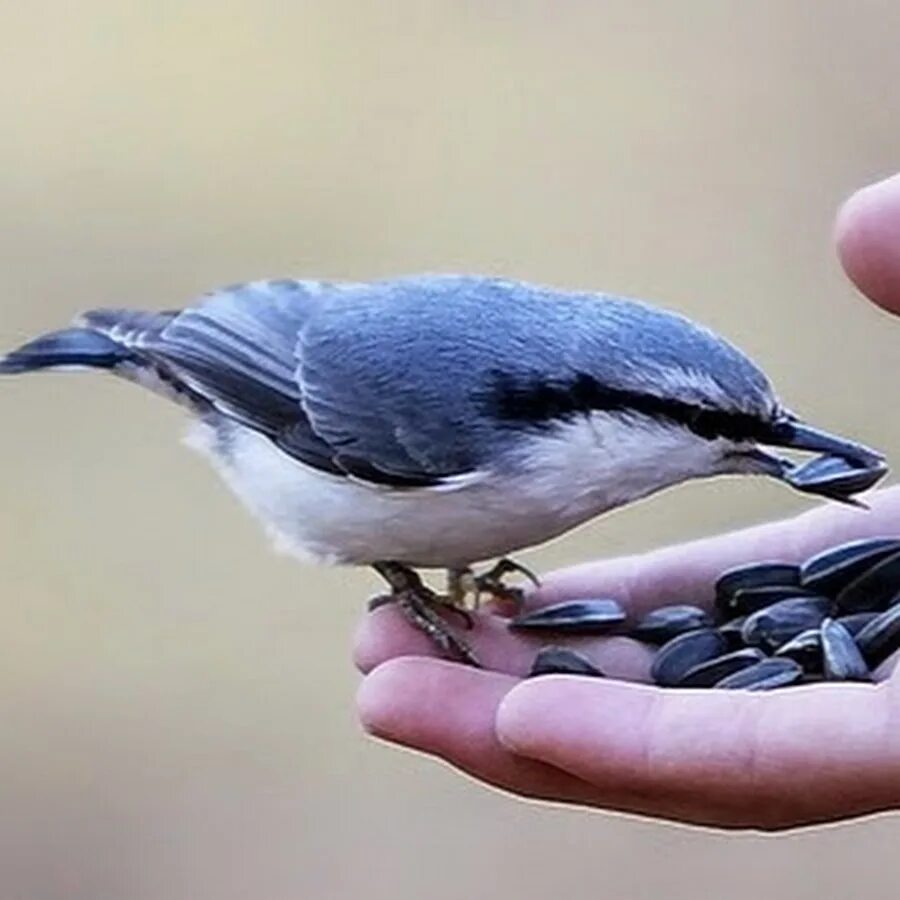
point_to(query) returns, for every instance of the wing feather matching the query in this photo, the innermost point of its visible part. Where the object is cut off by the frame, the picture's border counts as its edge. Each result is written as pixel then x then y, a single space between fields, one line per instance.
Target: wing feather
pixel 238 350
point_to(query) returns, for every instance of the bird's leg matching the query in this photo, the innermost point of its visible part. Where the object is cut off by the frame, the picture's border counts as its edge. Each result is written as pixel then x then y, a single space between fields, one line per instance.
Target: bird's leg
pixel 491 582
pixel 460 584
pixel 419 604
pixel 454 601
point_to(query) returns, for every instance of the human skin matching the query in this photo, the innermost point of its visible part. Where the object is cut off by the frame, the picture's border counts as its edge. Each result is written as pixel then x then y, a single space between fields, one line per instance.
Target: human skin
pixel 777 760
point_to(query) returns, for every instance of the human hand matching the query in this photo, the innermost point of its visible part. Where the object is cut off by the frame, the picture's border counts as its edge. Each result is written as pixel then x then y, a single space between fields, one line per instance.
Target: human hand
pixel 789 758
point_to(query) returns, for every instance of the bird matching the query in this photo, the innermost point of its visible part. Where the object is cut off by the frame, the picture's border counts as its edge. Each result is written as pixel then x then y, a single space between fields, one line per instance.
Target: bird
pixel 444 421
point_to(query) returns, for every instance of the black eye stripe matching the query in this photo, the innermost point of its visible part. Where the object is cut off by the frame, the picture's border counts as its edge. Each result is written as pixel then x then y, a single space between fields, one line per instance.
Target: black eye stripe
pixel 541 403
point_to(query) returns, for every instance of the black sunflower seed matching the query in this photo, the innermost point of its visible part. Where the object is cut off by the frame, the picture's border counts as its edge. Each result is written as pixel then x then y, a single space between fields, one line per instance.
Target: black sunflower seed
pixel 805 649
pixel 855 622
pixel 684 652
pixel 841 658
pixel 574 617
pixel 881 637
pixel 761 574
pixel 731 631
pixel 875 589
pixel 835 476
pixel 663 624
pixel 713 671
pixel 764 676
pixel 831 570
pixel 562 661
pixel 750 600
pixel 771 627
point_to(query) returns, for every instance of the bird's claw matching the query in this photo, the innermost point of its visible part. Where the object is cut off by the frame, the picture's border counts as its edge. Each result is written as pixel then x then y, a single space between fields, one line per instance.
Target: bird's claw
pixel 422 607
pixel 378 601
pixel 491 582
pixel 445 604
pixel 419 610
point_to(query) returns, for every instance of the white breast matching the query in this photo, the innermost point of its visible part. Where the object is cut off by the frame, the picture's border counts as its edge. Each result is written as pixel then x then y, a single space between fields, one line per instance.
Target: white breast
pixel 552 482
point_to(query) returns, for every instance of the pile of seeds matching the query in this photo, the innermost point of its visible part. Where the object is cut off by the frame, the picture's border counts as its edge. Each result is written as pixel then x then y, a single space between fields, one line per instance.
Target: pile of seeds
pixel 835 617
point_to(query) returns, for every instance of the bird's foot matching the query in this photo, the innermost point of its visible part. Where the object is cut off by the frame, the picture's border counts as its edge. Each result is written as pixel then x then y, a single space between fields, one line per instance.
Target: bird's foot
pixel 492 583
pixel 420 606
pixel 445 604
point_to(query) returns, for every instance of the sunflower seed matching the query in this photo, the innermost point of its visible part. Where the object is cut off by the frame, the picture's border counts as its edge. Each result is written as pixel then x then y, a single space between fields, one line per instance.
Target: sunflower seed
pixel 575 617
pixel 713 671
pixel 751 600
pixel 761 574
pixel 764 676
pixel 731 631
pixel 833 569
pixel 562 661
pixel 805 649
pixel 834 476
pixel 841 659
pixel 881 637
pixel 832 618
pixel 874 589
pixel 771 627
pixel 855 622
pixel 663 624
pixel 684 652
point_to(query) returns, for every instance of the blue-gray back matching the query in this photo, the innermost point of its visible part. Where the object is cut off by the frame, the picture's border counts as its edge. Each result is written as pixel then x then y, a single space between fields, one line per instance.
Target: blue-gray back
pixel 413 372
pixel 411 380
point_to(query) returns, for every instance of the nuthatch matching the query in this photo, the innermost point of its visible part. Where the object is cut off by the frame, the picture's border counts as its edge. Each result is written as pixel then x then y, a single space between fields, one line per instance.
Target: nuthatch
pixel 440 421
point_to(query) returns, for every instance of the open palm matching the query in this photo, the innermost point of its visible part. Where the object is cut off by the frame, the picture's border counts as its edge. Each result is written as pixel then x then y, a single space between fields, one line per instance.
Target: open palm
pixel 735 759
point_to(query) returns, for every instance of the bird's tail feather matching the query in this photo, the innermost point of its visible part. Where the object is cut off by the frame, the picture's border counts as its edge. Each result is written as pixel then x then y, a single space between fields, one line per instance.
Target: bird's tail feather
pixel 70 347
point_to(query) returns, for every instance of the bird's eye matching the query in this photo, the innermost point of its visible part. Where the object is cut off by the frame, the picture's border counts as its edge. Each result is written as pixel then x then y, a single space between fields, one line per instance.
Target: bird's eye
pixel 704 424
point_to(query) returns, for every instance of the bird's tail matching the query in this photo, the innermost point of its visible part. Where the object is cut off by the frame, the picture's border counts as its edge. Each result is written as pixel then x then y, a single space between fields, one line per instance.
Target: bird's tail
pixel 69 348
pixel 100 339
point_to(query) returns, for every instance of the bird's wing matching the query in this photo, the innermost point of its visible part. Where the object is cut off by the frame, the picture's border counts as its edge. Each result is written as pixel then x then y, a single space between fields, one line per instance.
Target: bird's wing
pixel 390 374
pixel 235 351
pixel 236 348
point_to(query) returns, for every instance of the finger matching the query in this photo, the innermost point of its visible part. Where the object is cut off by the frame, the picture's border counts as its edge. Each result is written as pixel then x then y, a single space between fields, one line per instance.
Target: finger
pixel 867 233
pixel 787 758
pixel 686 573
pixel 406 701
pixel 384 634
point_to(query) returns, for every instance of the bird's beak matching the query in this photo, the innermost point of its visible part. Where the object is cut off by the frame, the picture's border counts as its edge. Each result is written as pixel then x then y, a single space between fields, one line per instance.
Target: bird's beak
pixel 842 470
pixel 796 435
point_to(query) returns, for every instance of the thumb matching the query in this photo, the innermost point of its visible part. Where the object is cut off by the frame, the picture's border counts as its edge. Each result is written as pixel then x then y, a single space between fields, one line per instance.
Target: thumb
pixel 728 758
pixel 867 233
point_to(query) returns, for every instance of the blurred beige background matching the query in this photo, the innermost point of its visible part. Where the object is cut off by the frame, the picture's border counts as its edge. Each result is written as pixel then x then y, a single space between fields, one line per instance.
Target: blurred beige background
pixel 176 701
